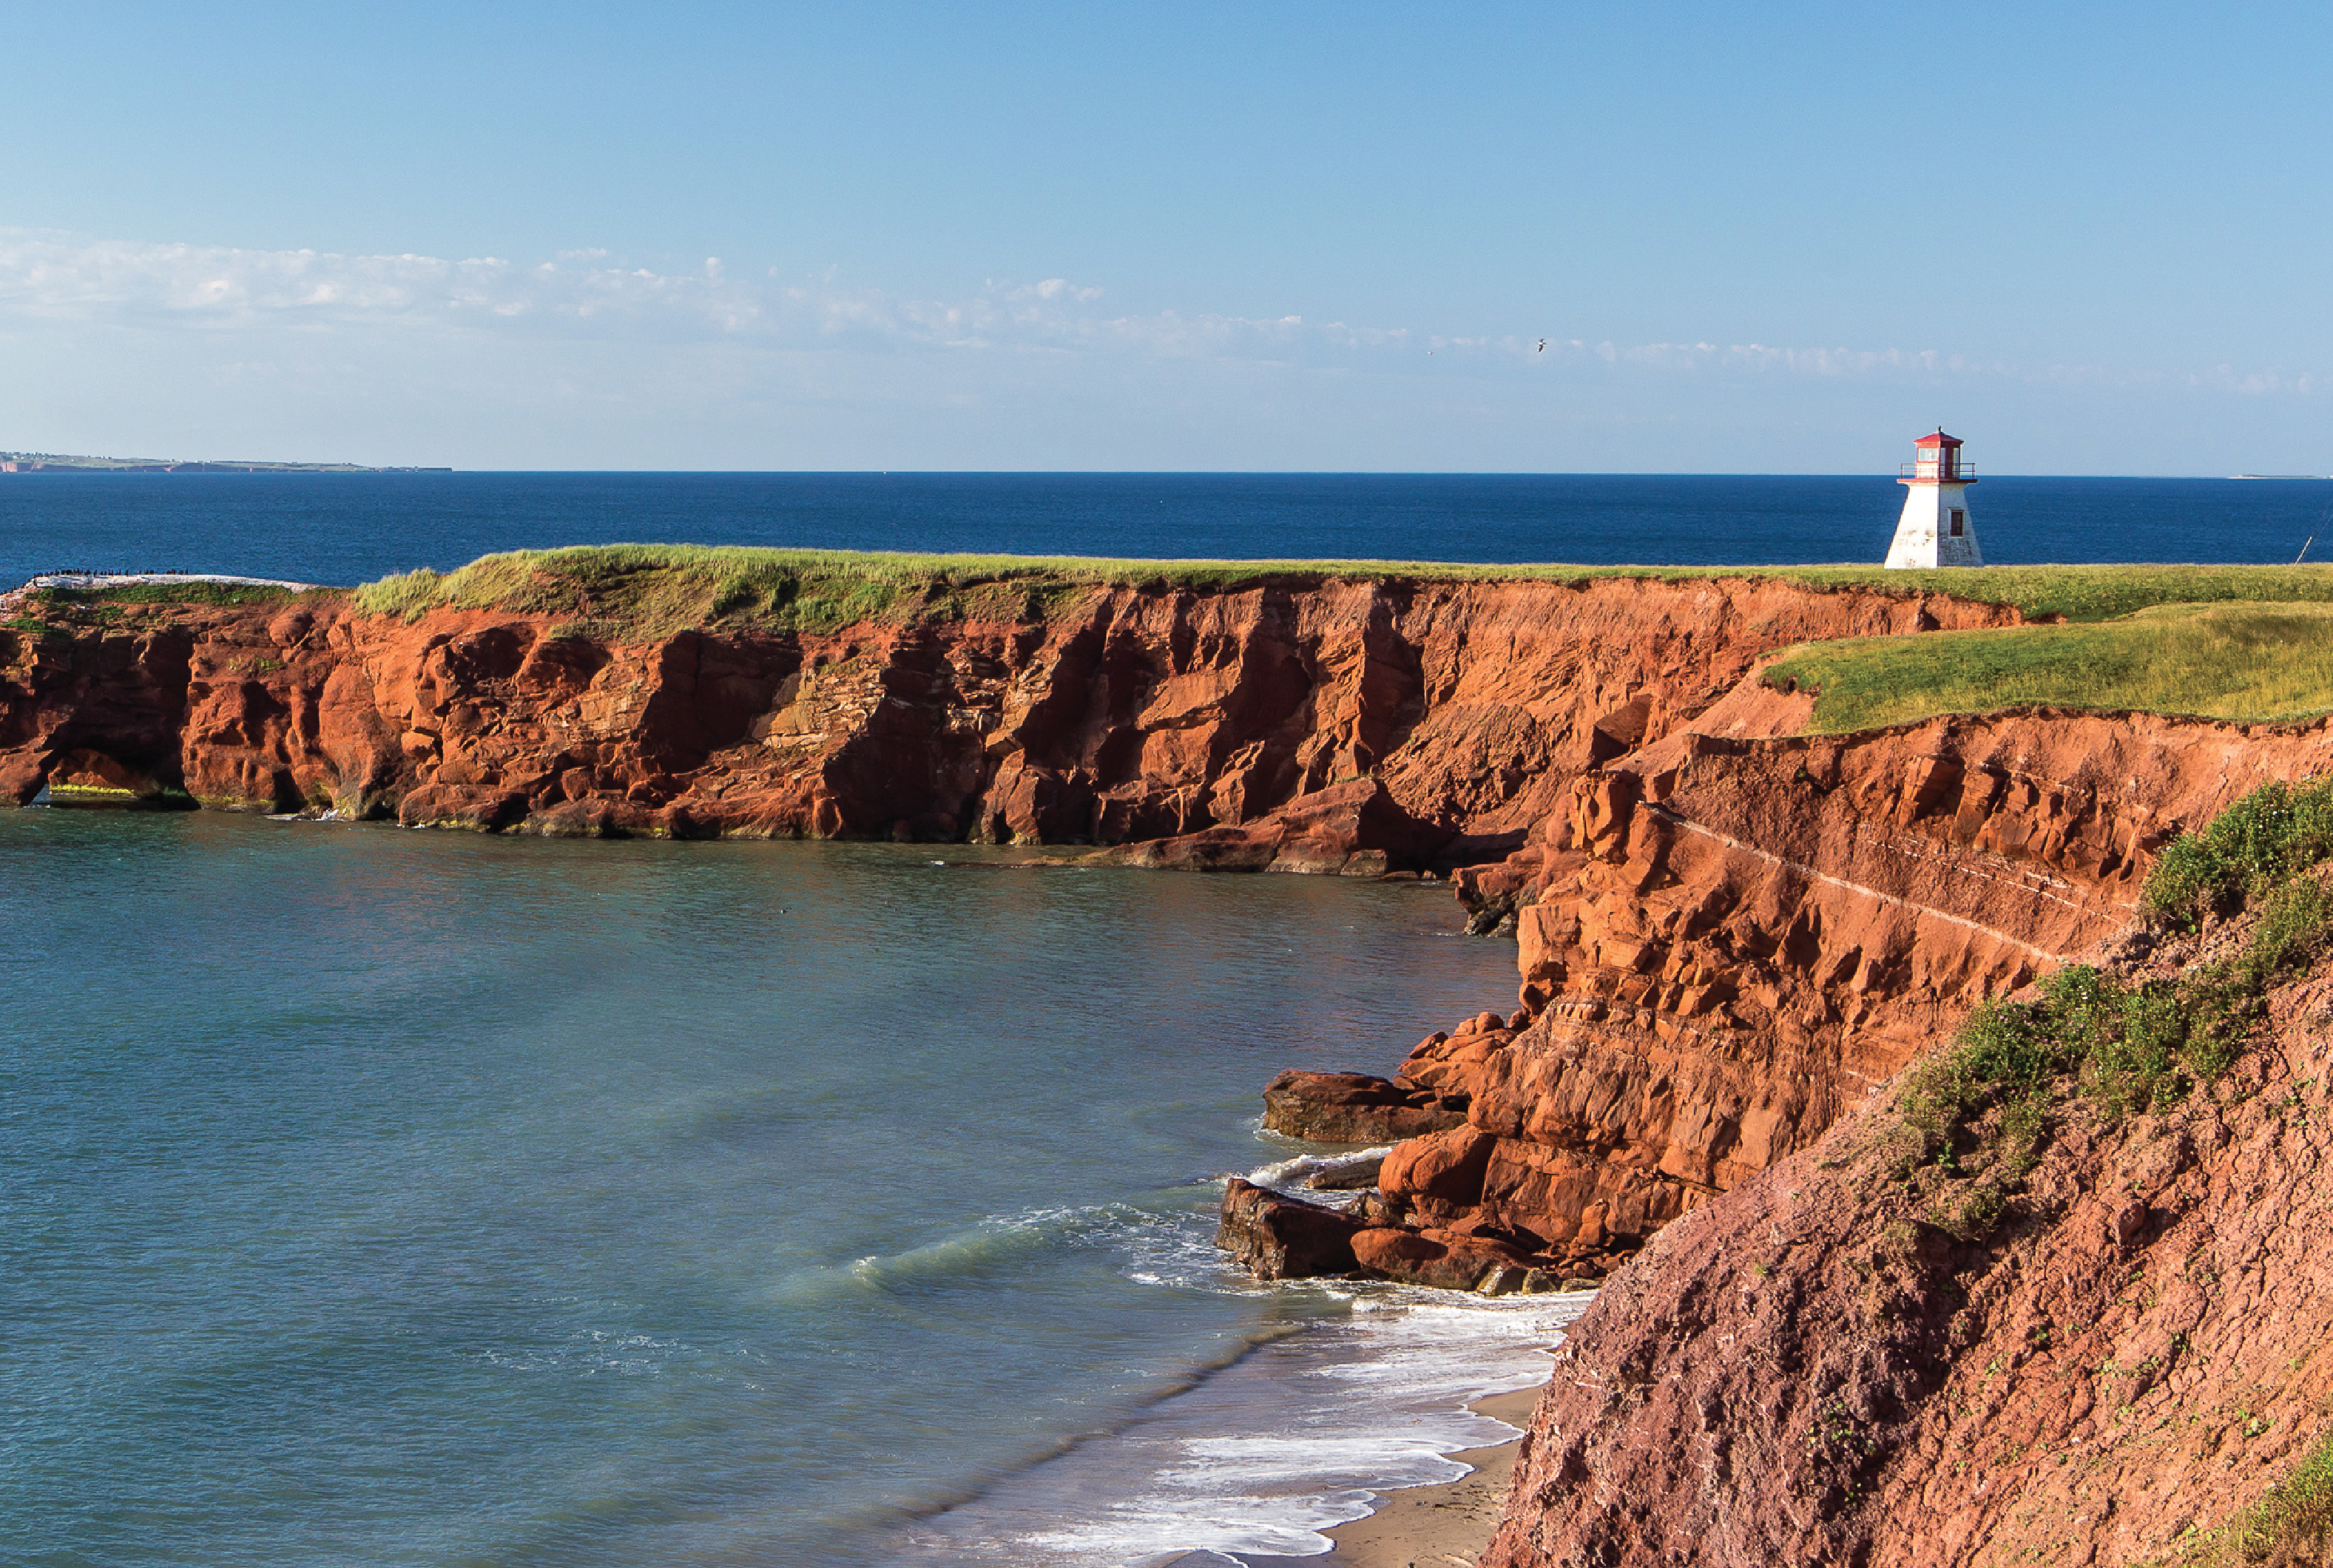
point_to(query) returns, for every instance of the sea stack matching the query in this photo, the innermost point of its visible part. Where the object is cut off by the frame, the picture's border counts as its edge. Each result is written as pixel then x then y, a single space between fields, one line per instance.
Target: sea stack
pixel 1935 528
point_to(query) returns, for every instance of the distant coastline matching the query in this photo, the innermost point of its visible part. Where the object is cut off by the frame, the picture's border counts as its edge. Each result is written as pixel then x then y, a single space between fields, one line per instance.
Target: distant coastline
pixel 61 463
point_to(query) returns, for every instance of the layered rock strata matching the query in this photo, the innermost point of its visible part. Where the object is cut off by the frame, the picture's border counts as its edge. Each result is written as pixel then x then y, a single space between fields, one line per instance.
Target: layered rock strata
pixel 1725 943
pixel 1314 724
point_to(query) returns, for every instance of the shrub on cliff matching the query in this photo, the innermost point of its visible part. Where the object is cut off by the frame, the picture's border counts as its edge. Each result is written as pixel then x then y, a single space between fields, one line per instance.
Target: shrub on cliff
pixel 2255 845
pixel 1974 1115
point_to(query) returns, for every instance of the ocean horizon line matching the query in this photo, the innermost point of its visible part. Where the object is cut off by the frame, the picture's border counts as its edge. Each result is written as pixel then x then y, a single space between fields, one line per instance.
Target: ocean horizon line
pixel 288 468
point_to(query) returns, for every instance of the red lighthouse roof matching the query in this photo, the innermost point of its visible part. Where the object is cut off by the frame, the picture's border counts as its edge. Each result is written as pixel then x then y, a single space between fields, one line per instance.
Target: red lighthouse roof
pixel 1938 440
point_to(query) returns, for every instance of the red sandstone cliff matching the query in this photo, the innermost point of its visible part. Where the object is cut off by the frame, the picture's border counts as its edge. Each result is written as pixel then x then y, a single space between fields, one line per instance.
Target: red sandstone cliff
pixel 1729 943
pixel 1726 943
pixel 1727 933
pixel 1123 715
pixel 1753 934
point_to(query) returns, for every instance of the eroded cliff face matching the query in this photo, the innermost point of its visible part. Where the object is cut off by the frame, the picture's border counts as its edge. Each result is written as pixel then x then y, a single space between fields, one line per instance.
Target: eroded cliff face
pixel 1804 1372
pixel 1727 933
pixel 1726 943
pixel 1735 940
pixel 1402 722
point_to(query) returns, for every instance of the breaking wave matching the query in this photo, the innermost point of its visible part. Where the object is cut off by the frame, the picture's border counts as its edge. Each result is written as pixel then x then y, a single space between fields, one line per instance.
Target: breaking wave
pixel 1364 1391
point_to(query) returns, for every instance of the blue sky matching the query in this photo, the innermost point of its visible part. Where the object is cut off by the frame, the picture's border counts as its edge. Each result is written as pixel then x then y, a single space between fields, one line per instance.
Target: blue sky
pixel 1782 239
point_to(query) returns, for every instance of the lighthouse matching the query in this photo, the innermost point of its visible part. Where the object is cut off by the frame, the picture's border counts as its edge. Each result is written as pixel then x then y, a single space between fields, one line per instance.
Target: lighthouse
pixel 1935 529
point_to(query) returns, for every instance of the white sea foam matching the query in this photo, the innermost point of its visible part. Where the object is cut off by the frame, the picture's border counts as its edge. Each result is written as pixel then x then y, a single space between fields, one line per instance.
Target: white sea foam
pixel 1294 1175
pixel 1299 1436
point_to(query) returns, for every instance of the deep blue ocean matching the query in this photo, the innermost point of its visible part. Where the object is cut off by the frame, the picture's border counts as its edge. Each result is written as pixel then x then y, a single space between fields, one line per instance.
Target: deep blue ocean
pixel 385 1198
pixel 349 528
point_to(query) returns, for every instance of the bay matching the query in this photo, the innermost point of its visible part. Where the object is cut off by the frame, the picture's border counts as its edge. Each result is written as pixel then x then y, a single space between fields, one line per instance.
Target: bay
pixel 402 1197
pixel 380 1197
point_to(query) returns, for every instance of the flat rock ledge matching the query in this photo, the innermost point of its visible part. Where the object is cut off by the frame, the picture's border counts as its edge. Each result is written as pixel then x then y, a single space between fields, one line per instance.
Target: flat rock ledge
pixel 1276 1236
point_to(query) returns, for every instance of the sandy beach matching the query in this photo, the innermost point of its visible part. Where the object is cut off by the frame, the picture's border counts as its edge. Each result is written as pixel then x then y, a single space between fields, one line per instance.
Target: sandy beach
pixel 1443 1527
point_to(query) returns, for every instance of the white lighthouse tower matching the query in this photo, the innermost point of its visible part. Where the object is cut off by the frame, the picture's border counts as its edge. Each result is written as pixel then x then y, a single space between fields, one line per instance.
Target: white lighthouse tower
pixel 1935 529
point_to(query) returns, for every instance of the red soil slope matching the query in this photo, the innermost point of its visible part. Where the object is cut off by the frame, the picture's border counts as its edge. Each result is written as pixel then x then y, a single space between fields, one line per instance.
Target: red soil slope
pixel 1800 1372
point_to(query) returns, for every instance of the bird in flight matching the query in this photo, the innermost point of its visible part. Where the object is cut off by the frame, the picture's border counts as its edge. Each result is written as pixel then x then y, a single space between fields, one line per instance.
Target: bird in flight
pixel 1543 345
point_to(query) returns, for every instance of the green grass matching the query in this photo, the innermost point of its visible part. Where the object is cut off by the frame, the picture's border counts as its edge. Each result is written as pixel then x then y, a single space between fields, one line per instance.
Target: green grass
pixel 2290 1525
pixel 2088 593
pixel 663 586
pixel 1973 1117
pixel 656 589
pixel 165 594
pixel 2239 660
pixel 626 582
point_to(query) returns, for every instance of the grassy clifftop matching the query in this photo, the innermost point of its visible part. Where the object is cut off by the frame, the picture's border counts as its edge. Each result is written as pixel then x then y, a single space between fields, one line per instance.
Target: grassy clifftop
pixel 2242 661
pixel 2241 642
pixel 651 588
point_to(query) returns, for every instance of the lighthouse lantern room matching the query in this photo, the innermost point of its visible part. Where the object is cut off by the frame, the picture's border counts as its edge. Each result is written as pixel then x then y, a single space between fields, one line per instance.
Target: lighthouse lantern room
pixel 1935 528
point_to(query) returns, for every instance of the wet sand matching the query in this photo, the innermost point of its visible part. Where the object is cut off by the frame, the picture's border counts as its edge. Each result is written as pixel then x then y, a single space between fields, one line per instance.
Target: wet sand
pixel 1443 1527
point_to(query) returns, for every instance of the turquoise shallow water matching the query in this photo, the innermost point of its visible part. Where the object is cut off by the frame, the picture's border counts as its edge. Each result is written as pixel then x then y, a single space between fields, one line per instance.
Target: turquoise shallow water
pixel 377 1196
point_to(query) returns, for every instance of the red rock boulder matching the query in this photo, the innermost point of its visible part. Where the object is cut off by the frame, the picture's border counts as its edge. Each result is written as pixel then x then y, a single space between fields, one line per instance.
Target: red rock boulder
pixel 1278 1237
pixel 1447 1168
pixel 1354 1107
pixel 1444 1260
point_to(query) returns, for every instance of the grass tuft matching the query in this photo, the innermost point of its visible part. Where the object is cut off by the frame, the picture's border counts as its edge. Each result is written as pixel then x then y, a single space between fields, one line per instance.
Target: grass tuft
pixel 2292 1523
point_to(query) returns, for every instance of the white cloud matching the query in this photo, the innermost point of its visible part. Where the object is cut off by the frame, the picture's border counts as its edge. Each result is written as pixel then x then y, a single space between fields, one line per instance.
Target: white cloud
pixel 586 293
pixel 581 361
pixel 56 278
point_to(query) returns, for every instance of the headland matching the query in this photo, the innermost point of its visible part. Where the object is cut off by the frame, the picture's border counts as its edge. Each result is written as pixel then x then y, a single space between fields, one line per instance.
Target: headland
pixel 67 463
pixel 1886 1284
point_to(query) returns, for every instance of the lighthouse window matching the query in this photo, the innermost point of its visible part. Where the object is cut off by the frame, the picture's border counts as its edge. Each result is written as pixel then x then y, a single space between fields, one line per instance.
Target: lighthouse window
pixel 1960 522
